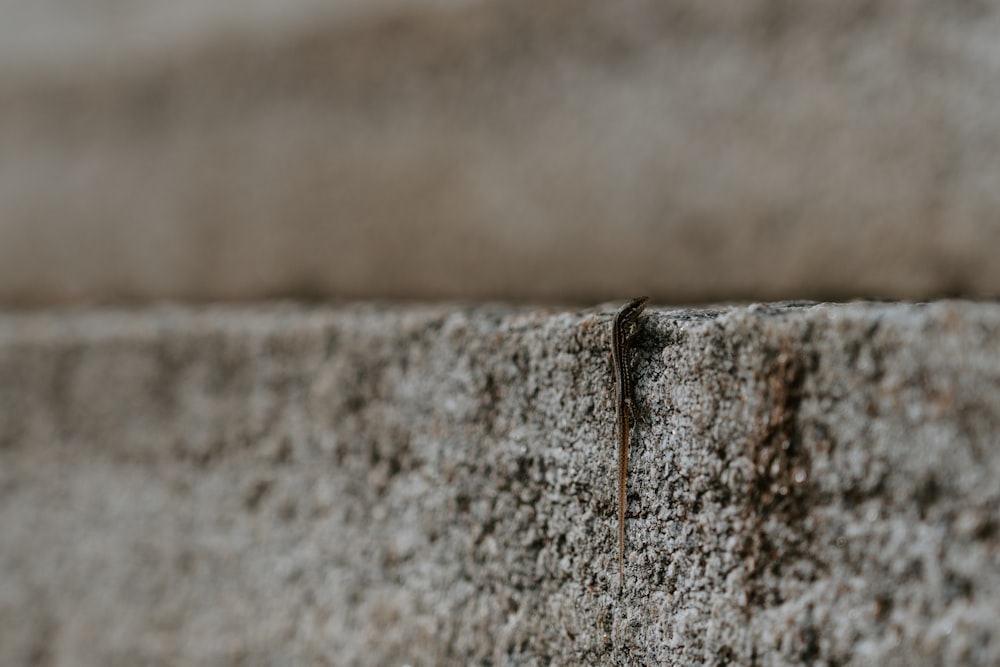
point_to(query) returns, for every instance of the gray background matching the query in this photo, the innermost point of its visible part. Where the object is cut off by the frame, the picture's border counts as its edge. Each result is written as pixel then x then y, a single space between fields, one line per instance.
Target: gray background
pixel 537 150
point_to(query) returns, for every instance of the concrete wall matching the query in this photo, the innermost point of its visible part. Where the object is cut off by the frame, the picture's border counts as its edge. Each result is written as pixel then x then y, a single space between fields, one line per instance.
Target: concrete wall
pixel 275 484
pixel 425 485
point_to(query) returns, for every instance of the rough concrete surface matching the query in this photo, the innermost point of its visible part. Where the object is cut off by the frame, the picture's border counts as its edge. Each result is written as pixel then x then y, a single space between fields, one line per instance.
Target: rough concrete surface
pixel 423 485
pixel 477 149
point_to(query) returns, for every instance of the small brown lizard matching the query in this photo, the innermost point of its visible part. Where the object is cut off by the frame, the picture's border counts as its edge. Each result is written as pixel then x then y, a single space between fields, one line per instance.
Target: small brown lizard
pixel 623 328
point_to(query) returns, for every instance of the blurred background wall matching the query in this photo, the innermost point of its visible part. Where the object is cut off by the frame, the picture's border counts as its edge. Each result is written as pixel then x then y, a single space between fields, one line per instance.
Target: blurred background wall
pixel 486 149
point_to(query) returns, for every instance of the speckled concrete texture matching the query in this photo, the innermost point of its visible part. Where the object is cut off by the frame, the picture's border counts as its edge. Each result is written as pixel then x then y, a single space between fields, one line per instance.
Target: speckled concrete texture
pixel 388 485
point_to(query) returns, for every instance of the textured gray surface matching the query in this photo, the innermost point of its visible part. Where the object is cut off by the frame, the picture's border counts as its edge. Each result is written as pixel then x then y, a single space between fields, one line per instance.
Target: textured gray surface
pixel 480 149
pixel 362 485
